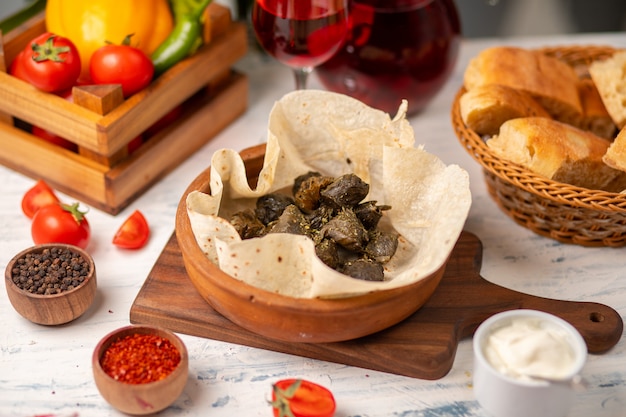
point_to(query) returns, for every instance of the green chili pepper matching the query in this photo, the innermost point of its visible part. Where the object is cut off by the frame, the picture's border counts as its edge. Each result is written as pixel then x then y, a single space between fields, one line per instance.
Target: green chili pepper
pixel 186 36
pixel 22 16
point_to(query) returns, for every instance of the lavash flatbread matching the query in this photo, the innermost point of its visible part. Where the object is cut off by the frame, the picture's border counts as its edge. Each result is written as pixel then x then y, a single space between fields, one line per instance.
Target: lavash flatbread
pixel 333 134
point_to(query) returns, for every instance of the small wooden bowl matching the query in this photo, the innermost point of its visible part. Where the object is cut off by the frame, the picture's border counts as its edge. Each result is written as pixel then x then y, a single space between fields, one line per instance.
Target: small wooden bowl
pixel 286 318
pixel 55 308
pixel 140 399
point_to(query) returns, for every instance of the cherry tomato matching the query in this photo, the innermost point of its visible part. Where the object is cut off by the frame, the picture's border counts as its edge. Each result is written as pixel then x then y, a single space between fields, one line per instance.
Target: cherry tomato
pixel 53 138
pixel 51 63
pixel 134 232
pixel 61 223
pixel 121 64
pixel 301 398
pixel 38 196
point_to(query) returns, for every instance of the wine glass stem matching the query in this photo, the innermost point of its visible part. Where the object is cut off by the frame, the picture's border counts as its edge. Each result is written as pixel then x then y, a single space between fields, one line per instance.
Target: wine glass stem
pixel 302 74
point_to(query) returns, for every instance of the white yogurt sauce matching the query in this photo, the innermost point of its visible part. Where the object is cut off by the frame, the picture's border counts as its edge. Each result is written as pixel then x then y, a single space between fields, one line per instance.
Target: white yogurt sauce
pixel 528 347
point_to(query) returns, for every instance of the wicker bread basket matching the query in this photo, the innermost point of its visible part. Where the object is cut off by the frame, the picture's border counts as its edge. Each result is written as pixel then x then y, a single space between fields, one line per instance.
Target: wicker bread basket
pixel 563 212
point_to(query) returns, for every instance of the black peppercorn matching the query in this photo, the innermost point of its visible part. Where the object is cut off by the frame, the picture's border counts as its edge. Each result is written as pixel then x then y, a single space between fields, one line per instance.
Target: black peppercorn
pixel 50 271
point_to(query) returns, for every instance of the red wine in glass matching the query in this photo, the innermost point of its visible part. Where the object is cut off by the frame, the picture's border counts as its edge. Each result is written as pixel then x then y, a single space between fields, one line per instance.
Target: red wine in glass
pixel 302 34
pixel 395 49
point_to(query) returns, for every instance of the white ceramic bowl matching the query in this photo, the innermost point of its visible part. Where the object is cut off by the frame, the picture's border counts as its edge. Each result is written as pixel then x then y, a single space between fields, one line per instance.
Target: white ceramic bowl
pixel 505 395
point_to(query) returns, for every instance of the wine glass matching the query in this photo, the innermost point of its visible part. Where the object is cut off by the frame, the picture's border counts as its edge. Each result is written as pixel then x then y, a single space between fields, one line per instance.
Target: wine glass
pixel 300 33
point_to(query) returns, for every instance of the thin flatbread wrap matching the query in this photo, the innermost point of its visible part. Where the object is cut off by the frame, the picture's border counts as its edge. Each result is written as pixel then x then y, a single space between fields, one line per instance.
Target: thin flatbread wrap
pixel 333 134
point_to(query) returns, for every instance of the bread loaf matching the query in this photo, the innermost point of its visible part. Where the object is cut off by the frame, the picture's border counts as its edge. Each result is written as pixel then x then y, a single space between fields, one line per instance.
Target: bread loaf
pixel 548 80
pixel 557 151
pixel 615 156
pixel 595 116
pixel 485 107
pixel 609 75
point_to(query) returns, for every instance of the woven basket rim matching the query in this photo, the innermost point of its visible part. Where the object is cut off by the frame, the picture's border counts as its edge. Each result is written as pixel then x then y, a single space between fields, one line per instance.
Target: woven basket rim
pixel 522 177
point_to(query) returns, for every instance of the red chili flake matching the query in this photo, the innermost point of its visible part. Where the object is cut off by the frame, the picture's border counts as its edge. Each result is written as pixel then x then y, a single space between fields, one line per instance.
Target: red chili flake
pixel 140 358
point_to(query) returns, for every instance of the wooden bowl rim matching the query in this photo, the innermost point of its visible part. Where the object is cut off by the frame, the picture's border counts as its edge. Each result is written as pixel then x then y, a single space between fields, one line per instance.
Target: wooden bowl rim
pixel 244 290
pixel 39 248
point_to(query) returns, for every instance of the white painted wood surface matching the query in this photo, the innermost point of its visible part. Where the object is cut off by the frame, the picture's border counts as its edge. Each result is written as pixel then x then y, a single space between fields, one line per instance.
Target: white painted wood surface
pixel 47 371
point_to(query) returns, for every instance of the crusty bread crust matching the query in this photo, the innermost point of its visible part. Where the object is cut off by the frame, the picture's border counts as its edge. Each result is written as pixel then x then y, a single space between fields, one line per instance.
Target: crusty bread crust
pixel 558 151
pixel 595 117
pixel 551 82
pixel 609 75
pixel 485 107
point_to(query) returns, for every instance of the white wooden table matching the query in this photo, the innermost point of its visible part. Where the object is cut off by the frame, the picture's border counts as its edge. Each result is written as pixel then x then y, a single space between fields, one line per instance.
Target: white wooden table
pixel 46 370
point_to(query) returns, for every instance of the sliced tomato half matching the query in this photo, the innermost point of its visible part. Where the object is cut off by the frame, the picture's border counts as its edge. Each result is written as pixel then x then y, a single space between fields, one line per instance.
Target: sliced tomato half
pixel 40 195
pixel 301 398
pixel 133 233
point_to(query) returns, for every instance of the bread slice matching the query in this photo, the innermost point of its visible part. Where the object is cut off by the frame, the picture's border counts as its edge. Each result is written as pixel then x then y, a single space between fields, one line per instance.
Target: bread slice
pixel 595 117
pixel 557 151
pixel 609 76
pixel 485 107
pixel 615 156
pixel 548 80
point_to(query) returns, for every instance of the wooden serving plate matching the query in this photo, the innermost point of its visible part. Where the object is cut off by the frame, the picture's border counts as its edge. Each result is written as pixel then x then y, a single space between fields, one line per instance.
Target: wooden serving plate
pixel 422 346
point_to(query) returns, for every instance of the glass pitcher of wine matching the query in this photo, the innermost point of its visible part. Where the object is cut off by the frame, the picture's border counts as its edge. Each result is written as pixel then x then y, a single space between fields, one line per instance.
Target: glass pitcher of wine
pixel 395 49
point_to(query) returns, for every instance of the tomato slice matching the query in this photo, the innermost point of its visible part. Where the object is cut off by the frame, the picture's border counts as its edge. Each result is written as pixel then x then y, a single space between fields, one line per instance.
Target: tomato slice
pixel 301 398
pixel 40 195
pixel 133 233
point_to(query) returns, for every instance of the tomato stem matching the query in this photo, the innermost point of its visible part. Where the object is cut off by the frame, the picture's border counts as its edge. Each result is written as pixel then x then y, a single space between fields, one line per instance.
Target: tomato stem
pixel 48 52
pixel 281 403
pixel 74 210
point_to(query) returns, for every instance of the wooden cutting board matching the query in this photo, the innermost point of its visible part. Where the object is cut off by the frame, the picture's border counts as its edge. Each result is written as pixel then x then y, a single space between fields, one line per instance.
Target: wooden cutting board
pixel 422 346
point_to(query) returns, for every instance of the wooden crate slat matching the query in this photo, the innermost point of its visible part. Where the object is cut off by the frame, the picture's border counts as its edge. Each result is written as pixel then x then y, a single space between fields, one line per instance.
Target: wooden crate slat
pixel 129 178
pixel 49 111
pixel 62 169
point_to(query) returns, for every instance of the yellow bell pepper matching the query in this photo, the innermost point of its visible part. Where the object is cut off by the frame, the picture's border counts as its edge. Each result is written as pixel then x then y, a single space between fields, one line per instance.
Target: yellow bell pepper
pixel 91 24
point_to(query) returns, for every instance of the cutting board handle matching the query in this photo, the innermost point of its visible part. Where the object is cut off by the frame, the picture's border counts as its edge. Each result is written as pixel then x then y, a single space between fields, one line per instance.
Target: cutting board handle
pixel 600 325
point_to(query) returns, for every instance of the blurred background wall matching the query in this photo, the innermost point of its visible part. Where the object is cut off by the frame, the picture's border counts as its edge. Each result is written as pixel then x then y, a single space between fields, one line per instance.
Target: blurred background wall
pixel 499 18
pixel 503 18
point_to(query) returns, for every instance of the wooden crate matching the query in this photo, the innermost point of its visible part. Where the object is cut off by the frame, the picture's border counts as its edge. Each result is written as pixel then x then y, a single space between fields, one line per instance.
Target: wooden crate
pixel 101 173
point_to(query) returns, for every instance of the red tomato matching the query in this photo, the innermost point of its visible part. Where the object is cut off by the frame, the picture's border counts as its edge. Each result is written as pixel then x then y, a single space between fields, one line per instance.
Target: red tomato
pixel 134 144
pixel 51 63
pixel 40 195
pixel 67 94
pixel 52 138
pixel 17 67
pixel 134 232
pixel 164 121
pixel 61 223
pixel 301 398
pixel 121 64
